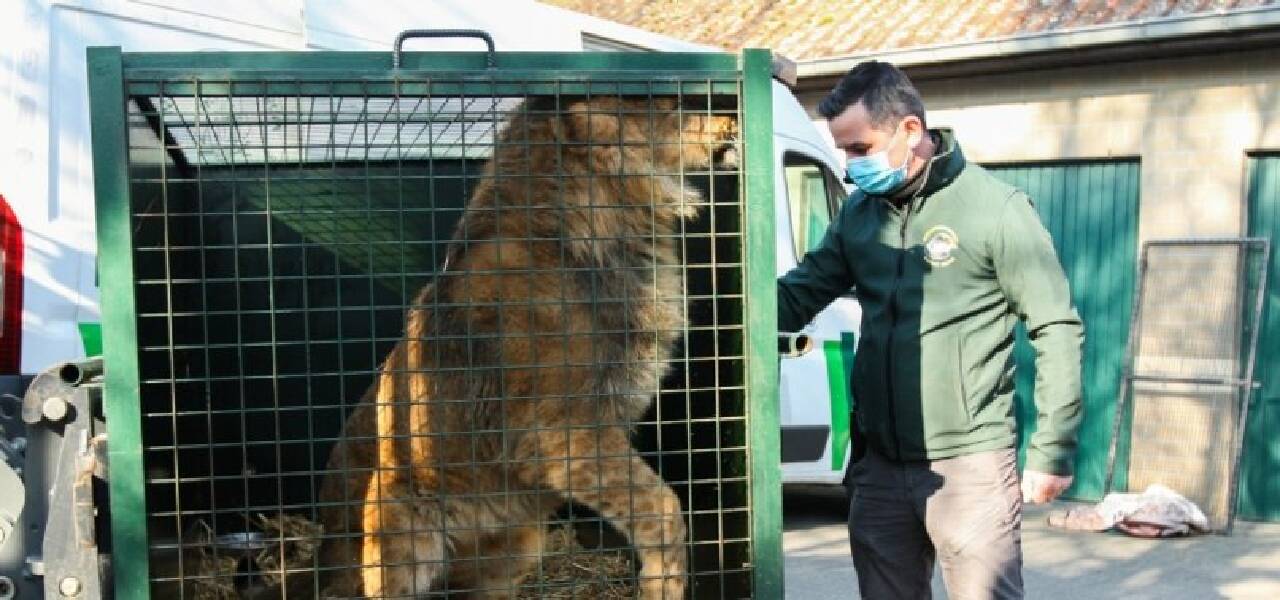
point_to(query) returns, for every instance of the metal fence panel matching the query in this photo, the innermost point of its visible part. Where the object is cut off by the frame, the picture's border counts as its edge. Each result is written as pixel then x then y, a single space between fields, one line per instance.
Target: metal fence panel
pixel 1189 369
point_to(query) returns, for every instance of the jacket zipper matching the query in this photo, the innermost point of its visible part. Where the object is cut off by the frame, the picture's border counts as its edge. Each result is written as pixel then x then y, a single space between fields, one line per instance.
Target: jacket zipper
pixel 893 309
pixel 893 327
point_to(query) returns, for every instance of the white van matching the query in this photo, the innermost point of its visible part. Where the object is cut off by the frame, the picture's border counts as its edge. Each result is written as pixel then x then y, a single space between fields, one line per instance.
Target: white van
pixel 47 239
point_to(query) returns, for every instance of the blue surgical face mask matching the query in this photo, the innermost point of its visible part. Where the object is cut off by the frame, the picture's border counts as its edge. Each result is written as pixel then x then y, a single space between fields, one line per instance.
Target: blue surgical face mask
pixel 874 175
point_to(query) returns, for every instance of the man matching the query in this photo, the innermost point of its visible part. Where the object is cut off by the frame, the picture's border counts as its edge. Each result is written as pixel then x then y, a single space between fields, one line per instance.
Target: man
pixel 944 260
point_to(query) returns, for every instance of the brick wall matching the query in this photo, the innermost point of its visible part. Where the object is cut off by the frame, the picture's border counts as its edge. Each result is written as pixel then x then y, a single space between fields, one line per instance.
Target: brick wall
pixel 1191 121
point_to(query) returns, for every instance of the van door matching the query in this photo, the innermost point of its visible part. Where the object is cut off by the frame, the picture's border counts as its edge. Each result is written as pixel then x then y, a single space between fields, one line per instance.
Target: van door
pixel 814 392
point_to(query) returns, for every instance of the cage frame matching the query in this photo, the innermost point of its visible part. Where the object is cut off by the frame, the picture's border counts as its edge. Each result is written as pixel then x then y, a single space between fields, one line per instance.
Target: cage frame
pixel 110 69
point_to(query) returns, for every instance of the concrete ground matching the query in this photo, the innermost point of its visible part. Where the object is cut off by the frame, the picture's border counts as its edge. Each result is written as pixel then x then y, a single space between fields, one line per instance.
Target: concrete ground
pixel 1057 564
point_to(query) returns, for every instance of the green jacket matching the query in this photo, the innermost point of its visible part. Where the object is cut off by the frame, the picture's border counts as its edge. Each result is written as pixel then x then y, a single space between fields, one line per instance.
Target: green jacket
pixel 942 280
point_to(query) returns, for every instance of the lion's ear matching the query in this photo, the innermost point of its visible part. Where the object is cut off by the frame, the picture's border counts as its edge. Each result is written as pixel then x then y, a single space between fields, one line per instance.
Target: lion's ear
pixel 592 122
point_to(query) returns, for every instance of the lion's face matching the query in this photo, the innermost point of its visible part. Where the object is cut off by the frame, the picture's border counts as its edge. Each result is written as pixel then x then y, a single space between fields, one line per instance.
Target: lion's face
pixel 654 132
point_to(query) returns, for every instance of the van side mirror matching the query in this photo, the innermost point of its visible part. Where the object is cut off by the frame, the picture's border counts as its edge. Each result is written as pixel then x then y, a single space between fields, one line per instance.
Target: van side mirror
pixel 785 70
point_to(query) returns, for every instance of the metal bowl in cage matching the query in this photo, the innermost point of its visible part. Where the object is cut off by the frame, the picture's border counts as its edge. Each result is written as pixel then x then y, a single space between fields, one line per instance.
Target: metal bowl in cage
pixel 244 541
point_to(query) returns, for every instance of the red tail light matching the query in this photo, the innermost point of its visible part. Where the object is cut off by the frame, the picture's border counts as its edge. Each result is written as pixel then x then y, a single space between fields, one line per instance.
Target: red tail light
pixel 10 290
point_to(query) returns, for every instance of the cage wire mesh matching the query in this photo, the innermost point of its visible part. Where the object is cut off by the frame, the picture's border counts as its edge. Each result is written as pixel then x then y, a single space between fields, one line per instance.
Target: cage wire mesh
pixel 441 340
pixel 1185 395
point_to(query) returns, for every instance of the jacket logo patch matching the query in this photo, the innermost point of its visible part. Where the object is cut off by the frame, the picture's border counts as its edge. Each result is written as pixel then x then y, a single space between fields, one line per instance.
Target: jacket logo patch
pixel 940 244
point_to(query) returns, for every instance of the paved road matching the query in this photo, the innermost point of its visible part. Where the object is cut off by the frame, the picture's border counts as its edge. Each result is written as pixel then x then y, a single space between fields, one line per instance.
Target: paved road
pixel 1058 565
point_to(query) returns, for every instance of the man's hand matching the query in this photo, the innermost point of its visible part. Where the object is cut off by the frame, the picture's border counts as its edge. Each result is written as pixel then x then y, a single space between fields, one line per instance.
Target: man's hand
pixel 1040 487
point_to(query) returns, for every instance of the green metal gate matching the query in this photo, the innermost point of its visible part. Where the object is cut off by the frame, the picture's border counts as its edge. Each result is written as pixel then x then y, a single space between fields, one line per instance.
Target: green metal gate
pixel 1091 210
pixel 1260 458
pixel 268 221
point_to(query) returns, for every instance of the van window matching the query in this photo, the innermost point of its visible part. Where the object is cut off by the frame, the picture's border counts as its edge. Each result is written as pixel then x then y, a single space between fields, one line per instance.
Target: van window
pixel 811 199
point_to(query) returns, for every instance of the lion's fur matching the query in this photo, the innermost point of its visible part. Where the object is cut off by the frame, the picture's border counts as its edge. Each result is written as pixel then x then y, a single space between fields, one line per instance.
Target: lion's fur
pixel 526 361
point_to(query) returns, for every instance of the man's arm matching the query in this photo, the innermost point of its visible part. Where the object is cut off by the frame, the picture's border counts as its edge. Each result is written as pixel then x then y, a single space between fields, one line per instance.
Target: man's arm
pixel 822 275
pixel 1028 270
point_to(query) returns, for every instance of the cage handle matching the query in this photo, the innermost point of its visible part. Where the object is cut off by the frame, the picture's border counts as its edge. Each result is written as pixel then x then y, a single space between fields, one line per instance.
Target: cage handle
pixel 397 48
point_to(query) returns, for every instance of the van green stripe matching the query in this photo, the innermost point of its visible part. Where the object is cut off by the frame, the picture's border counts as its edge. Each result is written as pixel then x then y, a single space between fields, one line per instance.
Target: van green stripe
pixel 839 356
pixel 91 338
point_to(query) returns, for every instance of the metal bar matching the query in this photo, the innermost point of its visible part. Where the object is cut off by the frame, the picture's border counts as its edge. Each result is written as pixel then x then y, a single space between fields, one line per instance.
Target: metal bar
pixel 349 118
pixel 1121 403
pixel 169 339
pixel 1192 380
pixel 761 311
pixel 273 333
pixel 236 132
pixel 200 107
pixel 344 65
pixel 342 372
pixel 183 84
pixel 310 408
pixel 119 325
pixel 253 81
pixel 1245 390
pixel 1122 396
pixel 1233 489
pixel 1226 241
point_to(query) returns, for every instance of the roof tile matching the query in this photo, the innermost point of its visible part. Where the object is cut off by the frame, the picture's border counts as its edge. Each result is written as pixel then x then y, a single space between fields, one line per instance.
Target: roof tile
pixel 808 29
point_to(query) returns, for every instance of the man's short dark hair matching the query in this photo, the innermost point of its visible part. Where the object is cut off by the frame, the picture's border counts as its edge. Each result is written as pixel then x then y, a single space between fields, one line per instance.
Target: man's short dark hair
pixel 882 88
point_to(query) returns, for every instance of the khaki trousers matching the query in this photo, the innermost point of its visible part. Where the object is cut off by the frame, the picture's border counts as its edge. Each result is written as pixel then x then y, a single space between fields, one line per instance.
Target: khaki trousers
pixel 965 512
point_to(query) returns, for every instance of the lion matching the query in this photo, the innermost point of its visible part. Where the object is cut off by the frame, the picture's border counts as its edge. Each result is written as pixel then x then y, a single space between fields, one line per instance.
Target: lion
pixel 526 361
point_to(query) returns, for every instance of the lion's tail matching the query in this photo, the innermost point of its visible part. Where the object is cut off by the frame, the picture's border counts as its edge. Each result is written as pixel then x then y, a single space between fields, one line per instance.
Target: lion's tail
pixel 420 442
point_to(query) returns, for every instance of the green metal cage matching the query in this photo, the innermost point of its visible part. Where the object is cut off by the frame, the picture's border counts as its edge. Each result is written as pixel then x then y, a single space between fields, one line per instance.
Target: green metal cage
pixel 269 225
